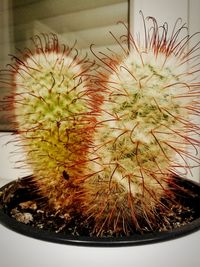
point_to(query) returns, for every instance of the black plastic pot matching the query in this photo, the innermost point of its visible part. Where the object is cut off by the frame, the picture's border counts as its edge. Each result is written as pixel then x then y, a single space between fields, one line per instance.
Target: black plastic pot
pixel 136 239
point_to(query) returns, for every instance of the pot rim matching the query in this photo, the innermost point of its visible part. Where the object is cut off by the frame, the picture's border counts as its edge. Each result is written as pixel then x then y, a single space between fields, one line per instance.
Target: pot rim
pixel 133 240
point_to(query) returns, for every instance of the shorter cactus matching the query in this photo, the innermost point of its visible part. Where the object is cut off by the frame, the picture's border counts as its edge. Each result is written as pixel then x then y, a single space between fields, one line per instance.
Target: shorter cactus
pixel 54 110
pixel 144 132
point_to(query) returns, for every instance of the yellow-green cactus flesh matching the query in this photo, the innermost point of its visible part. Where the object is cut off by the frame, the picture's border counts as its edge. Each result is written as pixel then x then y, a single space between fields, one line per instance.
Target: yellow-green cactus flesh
pixel 53 114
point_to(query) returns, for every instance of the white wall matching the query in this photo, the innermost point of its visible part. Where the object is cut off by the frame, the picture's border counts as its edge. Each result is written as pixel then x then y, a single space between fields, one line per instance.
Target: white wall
pixel 168 11
pixel 162 10
pixel 10 155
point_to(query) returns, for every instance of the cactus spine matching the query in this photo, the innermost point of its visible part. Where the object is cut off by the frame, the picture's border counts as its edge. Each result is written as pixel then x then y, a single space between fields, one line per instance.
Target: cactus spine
pixel 144 131
pixel 54 111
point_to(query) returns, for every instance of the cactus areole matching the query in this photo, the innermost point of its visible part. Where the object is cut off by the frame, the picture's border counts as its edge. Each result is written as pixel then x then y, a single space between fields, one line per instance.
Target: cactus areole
pixel 109 142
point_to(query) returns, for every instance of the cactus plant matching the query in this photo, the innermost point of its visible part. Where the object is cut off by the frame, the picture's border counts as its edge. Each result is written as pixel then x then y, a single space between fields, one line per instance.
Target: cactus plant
pixel 54 114
pixel 145 133
pixel 116 164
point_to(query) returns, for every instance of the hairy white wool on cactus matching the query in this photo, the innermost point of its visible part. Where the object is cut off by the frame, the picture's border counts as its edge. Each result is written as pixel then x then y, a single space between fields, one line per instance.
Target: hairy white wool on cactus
pixel 141 88
pixel 46 84
pixel 133 114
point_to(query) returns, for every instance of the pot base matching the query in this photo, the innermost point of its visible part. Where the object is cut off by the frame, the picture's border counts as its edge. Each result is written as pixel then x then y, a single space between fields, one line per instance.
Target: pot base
pixel 23 211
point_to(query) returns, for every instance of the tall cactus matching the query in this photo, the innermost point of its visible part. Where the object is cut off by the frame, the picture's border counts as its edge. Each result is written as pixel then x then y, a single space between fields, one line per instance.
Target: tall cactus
pixel 145 133
pixel 54 109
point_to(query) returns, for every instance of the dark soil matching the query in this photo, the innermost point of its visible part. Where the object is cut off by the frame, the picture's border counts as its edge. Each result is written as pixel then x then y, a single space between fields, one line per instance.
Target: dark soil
pixel 19 201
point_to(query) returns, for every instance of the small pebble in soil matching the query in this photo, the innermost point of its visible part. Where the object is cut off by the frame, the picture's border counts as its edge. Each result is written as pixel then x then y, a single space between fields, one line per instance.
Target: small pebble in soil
pixel 24 217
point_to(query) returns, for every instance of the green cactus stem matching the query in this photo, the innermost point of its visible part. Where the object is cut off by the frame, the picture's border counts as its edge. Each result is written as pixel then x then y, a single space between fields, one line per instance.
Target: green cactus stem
pixel 54 111
pixel 145 133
